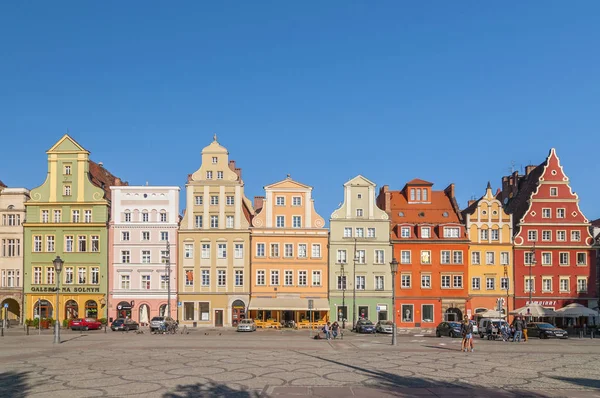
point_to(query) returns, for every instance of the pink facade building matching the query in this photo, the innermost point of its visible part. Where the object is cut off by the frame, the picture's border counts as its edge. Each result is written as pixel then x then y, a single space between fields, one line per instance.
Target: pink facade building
pixel 142 235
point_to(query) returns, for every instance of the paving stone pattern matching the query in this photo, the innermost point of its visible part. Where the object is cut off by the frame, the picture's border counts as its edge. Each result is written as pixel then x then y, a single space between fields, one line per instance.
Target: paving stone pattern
pixel 289 364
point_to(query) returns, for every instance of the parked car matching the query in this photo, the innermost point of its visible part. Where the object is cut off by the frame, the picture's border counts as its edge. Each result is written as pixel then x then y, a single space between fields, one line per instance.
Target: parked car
pixel 496 324
pixel 246 325
pixel 365 326
pixel 545 330
pixel 124 324
pixel 451 329
pixel 385 327
pixel 85 324
pixel 159 322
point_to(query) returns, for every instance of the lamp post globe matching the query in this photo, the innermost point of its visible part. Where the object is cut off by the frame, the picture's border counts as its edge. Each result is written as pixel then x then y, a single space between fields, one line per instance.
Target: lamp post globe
pixel 394 269
pixel 58 264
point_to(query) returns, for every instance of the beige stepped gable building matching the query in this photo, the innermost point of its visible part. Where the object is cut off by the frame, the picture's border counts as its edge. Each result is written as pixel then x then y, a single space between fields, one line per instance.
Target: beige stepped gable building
pixel 214 244
pixel 12 213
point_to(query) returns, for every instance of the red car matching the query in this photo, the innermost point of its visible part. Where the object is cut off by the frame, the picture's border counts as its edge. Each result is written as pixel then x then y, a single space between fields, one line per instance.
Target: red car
pixel 85 324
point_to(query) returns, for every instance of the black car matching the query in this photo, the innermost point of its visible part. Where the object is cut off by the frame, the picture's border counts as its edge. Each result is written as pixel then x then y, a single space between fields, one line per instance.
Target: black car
pixel 124 324
pixel 365 326
pixel 545 330
pixel 451 329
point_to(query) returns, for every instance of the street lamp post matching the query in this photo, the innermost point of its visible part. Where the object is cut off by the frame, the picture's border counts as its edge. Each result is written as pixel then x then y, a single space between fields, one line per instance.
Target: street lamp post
pixel 58 264
pixel 344 313
pixel 394 269
pixel 167 260
pixel 533 262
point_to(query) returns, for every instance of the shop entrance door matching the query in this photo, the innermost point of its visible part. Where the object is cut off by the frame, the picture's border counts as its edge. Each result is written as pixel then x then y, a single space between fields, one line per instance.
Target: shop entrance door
pixel 218 318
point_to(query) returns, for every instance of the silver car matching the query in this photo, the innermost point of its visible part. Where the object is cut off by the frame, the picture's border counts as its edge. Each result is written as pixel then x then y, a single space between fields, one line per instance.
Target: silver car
pixel 246 325
pixel 385 327
pixel 158 321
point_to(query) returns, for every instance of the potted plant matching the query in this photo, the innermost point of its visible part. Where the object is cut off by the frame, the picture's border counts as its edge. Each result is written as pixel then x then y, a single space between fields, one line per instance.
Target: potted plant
pixel 103 321
pixel 44 323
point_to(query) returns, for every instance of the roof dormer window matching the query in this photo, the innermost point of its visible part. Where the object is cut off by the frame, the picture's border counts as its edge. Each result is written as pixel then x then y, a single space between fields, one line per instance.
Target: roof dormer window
pixel 214 160
pixel 412 194
pixel 425 195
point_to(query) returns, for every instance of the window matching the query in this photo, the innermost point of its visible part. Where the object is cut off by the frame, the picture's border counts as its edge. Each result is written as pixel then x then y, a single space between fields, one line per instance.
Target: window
pixel 146 235
pixel 370 232
pixel 379 282
pixel 214 200
pixel 146 282
pixel 360 257
pixel 50 275
pixel 490 283
pixel 188 250
pixel 341 282
pixel 189 278
pixel 302 250
pixel 546 258
pixel 484 235
pixel 418 194
pixel 532 236
pixel 11 247
pixel 289 278
pixel 453 232
pixel 238 250
pixel 229 222
pixel 405 232
pixel 475 283
pixel 553 191
pixel 69 275
pixel 405 257
pixel 561 236
pixel 341 257
pixel 426 232
pixel 475 258
pixel 546 213
pixel 458 281
pixel 457 257
pixel 260 250
pixel 575 236
pixel 280 201
pixel 316 250
pixel 347 232
pixel 546 236
pixel 288 250
pixel 425 257
pixel 82 243
pixel 221 278
pixel 563 258
pixel 379 257
pixel 316 278
pixel 205 253
pixel 445 257
pixel 87 216
pixel 125 256
pixel 239 277
pixel 75 215
pixel 405 280
pixel 564 285
pixel 230 200
pixel 504 258
pixel 426 281
pixel 495 234
pixel 127 217
pixel 37 275
pixel 205 277
pixel 198 200
pixel 214 221
pixel 445 281
pixel 302 278
pixel 504 283
pixel 125 236
pixel 360 282
pixel 95 275
pixel 296 201
pixel 209 175
pixel 529 258
pixel 164 236
pixel 260 277
pixel 560 213
pixel 222 250
pixel 145 216
pixel 214 160
pixel 427 309
pixel 67 169
pixel 581 258
pixel 37 243
pixel 360 232
pixel 198 223
pixel 125 281
pixel 490 258
pixel 274 278
pixel 219 175
pixel 412 194
pixel 529 285
pixel 145 256
pixel 280 221
pixel 11 220
pixel 81 275
pixel 546 284
pixel 274 250
pixel 297 221
pixel 67 190
pixel 359 212
pixel 57 214
pixel 95 240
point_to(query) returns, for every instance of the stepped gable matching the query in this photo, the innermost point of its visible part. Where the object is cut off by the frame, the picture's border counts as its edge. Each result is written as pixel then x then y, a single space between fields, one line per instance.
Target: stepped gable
pixel 103 178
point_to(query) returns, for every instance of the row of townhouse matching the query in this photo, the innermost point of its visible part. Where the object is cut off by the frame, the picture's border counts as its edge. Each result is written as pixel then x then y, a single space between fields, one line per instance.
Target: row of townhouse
pixel 128 252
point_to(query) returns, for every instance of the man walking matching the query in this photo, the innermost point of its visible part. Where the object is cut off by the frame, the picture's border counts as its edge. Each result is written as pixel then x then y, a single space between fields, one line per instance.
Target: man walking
pixel 518 330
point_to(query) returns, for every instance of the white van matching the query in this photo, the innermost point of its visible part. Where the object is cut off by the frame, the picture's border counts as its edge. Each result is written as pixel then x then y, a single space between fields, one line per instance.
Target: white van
pixel 483 323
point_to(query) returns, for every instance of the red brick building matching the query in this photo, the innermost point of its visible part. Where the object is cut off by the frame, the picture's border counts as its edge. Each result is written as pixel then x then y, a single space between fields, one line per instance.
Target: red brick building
pixel 553 258
pixel 430 243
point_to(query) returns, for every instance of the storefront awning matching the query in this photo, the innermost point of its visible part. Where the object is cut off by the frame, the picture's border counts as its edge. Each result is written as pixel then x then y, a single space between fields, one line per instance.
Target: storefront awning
pixel 287 304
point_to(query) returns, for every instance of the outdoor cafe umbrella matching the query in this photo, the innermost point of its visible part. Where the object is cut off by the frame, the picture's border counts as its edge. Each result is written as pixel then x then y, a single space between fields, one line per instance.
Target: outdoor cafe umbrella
pixel 490 314
pixel 575 310
pixel 534 310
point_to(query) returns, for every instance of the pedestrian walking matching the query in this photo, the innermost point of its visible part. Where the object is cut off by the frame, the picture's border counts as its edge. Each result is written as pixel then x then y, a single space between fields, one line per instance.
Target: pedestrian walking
pixel 518 330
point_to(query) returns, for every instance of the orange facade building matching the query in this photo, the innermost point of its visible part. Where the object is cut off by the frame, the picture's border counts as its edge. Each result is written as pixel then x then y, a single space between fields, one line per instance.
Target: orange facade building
pixel 431 246
pixel 289 256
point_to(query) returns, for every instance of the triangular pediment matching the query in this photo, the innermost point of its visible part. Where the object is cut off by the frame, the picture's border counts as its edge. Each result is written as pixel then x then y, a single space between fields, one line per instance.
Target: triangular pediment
pixel 67 144
pixel 360 180
pixel 288 183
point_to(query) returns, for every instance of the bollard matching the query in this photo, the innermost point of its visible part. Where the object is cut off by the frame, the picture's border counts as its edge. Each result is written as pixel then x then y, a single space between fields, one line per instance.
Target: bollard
pixel 2 332
pixel 580 334
pixel 27 327
pixel 104 328
pixel 592 334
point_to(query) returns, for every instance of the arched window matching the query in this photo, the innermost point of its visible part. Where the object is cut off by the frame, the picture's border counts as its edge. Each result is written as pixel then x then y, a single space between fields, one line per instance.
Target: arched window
pixel 162 310
pixel 42 309
pixel 71 309
pixel 91 309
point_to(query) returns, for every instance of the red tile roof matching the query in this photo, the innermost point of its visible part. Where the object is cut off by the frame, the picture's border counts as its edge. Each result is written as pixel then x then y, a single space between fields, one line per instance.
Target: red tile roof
pixel 419 213
pixel 103 179
pixel 418 181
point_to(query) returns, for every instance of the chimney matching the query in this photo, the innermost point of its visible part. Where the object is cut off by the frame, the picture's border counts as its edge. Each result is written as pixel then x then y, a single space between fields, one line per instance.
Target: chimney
pixel 529 169
pixel 232 165
pixel 236 170
pixel 470 202
pixel 383 199
pixel 258 202
pixel 118 181
pixel 101 164
pixel 450 191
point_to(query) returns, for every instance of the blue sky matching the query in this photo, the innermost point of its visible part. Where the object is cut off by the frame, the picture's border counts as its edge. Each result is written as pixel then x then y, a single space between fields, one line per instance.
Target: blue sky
pixel 443 91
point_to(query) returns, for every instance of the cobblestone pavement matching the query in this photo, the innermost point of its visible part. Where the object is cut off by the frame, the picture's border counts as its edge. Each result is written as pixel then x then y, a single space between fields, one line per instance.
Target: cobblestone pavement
pixel 269 363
